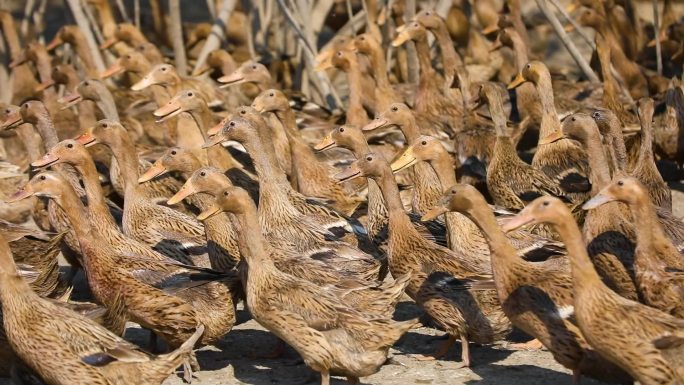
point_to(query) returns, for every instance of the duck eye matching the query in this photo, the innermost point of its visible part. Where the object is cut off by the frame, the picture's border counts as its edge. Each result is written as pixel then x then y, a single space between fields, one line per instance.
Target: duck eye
pixel 341 129
pixel 546 203
pixel 86 83
pixel 271 94
pixel 369 158
pixel 70 145
pixel 163 69
pixel 7 111
pixel 105 125
pixel 128 57
pixel 42 177
pixel 173 152
pixel 190 93
pixel 203 173
pixel 574 119
pixel 621 183
pixel 254 67
pixel 225 193
pixel 528 66
pixel 395 108
pixel 363 38
pixel 232 124
pixel 424 142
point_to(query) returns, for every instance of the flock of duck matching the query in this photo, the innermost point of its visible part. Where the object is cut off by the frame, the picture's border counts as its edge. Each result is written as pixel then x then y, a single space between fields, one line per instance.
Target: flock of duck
pixel 180 197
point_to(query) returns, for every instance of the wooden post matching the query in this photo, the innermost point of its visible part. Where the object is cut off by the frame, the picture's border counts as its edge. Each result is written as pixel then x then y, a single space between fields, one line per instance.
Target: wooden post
pixel 176 29
pixel 82 22
pixel 218 32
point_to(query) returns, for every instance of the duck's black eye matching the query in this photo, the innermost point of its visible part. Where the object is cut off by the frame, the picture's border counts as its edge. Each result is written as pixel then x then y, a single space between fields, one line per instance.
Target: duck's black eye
pixel 574 119
pixel 528 66
pixel 173 152
pixel 232 124
pixel 395 108
pixel 546 203
pixel 621 183
pixel 362 38
pixel 105 125
pixel 225 193
pixel 128 57
pixel 70 145
pixel 253 67
pixel 42 177
pixel 190 93
pixel 424 142
pixel 7 111
pixel 369 158
pixel 163 69
pixel 453 191
pixel 271 94
pixel 86 83
pixel 341 129
pixel 427 13
pixel 203 173
pixel 242 112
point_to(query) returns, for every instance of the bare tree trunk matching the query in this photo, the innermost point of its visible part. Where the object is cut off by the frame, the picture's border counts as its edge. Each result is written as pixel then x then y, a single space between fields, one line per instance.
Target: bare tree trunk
pixel 569 45
pixel 136 12
pixel 412 59
pixel 177 37
pixel 656 27
pixel 83 24
pixel 218 31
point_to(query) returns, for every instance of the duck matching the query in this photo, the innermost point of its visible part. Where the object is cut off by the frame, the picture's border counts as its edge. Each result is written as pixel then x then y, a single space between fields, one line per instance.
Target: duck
pixel 218 60
pixel 158 293
pixel 166 75
pixel 250 72
pixel 288 227
pixel 366 44
pixel 537 297
pixel 331 336
pixel 561 160
pixel 171 232
pixel 463 235
pixel 510 181
pixel 222 246
pixel 126 33
pixel 607 230
pixel 352 138
pixel 66 74
pixel 64 347
pixel 427 188
pixel 655 256
pixel 642 340
pixel 133 62
pixel 313 177
pixel 437 274
pixel 72 34
pixel 24 82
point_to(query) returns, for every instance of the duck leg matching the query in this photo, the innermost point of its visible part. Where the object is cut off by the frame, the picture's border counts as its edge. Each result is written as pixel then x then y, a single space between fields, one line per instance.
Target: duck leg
pixel 325 377
pixel 535 344
pixel 441 351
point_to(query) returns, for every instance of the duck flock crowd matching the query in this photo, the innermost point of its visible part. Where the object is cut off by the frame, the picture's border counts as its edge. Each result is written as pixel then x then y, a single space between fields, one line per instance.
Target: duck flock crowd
pixel 317 172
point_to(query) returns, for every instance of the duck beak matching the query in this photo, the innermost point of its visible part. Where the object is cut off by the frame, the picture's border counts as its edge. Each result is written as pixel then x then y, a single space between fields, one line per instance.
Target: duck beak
pixel 168 111
pixel 661 37
pixel 491 29
pixel 87 139
pixel 523 218
pixel 18 61
pixel 258 106
pixel 325 143
pixel 154 171
pixel 324 60
pixel 112 70
pixel 569 28
pixel 496 46
pixel 56 42
pixel 375 124
pixel 213 141
pixel 570 8
pixel 13 120
pixel 519 79
pixel 433 213
pixel 47 160
pixel 552 137
pixel 23 193
pixel 600 199
pixel 109 42
pixel 142 84
pixel 44 85
pixel 407 159
pixel 70 100
pixel 349 173
pixel 208 213
pixel 185 191
pixel 201 70
pixel 216 129
pixel 235 78
pixel 402 37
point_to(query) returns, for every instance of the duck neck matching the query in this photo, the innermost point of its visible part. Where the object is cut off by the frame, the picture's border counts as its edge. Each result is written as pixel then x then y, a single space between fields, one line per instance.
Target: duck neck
pixel 106 104
pixel 618 145
pixel 203 119
pixel 106 18
pixel 501 251
pixel 399 221
pixel 266 168
pixel 451 61
pixel 46 130
pixel 128 163
pixel 583 273
pixel 31 141
pixel 649 232
pixel 599 173
pixel 520 52
pixel 359 148
pixel 423 53
pixel 44 68
pixel 549 121
pixel 72 206
pixel 646 147
pixel 250 237
pixel 83 53
pixel 379 65
pixel 355 78
pixel 443 167
pixel 11 35
pixel 410 130
pixel 93 190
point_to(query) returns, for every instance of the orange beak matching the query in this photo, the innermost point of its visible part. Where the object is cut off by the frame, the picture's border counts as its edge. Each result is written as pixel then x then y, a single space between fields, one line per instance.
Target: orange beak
pixel 112 70
pixel 70 100
pixel 44 85
pixel 185 191
pixel 47 160
pixel 87 139
pixel 109 42
pixel 235 78
pixel 351 172
pixel 168 111
pixel 56 42
pixel 379 122
pixel 13 120
pixel 156 170
pixel 23 193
